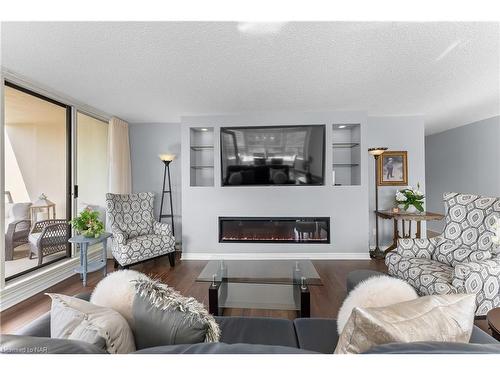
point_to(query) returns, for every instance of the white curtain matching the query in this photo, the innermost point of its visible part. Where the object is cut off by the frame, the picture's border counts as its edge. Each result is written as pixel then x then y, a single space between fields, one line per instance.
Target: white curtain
pixel 120 171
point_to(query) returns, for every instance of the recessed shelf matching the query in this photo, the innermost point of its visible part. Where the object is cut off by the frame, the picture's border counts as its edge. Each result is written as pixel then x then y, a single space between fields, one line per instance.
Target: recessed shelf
pixel 202 130
pixel 202 156
pixel 345 144
pixel 201 148
pixel 202 166
pixel 346 154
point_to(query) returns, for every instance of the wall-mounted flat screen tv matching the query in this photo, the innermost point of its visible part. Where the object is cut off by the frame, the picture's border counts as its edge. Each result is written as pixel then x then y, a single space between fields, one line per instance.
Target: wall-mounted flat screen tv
pixel 273 155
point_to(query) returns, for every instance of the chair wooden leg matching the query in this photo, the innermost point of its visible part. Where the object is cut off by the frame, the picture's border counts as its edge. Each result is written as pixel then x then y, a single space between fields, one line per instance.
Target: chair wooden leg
pixel 171 258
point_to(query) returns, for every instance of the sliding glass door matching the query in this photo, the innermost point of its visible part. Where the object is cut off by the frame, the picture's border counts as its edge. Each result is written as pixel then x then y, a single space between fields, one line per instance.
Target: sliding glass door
pixel 91 177
pixel 37 180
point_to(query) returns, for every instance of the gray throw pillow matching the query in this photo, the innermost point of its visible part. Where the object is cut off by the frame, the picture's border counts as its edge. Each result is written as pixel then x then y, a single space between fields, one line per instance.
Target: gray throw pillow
pixel 162 316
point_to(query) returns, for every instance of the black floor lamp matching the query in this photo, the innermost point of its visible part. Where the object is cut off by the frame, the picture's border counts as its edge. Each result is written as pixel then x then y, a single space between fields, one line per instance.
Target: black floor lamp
pixel 376 152
pixel 167 159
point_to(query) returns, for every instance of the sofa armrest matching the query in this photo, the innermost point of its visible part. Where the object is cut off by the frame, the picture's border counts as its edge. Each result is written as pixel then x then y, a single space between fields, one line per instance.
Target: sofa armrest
pixel 14 344
pixel 434 347
pixel 418 247
pixel 118 235
pixel 481 337
pixel 40 327
pixel 162 229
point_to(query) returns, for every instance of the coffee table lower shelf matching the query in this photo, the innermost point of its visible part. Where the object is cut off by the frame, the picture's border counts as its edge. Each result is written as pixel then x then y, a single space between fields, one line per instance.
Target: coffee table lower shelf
pixel 223 294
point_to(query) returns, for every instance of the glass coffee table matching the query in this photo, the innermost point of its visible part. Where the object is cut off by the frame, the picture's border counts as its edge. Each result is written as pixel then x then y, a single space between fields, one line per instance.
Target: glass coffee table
pixel 260 284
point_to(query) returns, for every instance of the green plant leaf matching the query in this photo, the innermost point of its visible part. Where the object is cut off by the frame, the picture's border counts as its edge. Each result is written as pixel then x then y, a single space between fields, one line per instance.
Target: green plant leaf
pixel 419 206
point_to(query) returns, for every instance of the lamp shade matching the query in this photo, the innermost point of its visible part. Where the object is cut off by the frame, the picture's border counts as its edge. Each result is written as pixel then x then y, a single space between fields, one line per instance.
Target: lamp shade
pixel 377 151
pixel 166 157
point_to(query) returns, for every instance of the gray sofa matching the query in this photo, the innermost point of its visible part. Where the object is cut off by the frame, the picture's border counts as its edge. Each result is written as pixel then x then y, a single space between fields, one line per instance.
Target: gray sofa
pixel 248 335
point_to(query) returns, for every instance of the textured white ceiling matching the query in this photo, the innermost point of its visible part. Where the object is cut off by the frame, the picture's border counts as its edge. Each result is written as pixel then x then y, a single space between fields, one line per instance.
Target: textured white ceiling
pixel 157 72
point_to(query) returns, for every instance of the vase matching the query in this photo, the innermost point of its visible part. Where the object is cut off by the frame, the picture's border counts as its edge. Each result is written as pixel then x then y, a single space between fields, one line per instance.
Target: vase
pixel 411 208
pixel 88 234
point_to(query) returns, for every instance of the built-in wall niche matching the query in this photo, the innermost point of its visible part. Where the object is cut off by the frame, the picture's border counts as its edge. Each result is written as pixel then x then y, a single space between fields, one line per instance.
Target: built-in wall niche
pixel 202 156
pixel 346 154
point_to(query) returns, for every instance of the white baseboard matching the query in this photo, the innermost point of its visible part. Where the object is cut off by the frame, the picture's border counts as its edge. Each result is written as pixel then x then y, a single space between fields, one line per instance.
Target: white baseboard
pixel 257 256
pixel 18 290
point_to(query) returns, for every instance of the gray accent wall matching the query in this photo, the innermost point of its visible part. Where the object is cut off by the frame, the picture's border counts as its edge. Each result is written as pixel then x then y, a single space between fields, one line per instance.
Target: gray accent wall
pixel 464 159
pixel 147 141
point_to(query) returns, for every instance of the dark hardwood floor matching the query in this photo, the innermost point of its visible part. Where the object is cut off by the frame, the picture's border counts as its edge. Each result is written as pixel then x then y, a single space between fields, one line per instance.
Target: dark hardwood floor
pixel 325 299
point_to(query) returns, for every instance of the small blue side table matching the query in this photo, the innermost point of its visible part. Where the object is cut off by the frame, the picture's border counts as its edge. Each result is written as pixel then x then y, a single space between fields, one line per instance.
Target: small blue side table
pixel 84 243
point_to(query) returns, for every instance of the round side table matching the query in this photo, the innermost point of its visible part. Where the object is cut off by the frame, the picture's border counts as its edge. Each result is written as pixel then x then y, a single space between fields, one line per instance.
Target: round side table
pixel 493 318
pixel 84 243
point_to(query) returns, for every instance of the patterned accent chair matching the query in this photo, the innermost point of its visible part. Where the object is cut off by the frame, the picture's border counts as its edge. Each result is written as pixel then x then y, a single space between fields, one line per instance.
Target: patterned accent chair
pixel 462 259
pixel 136 235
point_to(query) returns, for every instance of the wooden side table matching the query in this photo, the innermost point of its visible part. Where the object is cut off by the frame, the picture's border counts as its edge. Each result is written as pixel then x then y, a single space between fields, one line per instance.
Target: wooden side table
pixel 84 243
pixel 493 318
pixel 418 217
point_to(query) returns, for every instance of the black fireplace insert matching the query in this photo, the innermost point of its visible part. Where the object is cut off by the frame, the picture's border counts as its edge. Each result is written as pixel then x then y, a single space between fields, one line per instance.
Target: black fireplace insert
pixel 275 229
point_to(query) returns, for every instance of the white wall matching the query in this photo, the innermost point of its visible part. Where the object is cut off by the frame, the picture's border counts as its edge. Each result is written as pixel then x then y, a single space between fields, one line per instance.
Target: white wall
pixel 465 160
pixel 398 133
pixel 147 141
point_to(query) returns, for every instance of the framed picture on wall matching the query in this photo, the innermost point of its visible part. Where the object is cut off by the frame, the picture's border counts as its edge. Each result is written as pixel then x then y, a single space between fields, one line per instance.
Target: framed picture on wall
pixel 393 168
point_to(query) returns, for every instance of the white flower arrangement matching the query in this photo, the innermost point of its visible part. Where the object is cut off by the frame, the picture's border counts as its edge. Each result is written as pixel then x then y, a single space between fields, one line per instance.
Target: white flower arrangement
pixel 400 197
pixel 410 197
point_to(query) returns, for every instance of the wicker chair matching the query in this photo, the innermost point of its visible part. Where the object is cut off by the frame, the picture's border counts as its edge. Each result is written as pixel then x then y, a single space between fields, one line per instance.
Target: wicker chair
pixel 49 237
pixel 16 235
pixel 17 225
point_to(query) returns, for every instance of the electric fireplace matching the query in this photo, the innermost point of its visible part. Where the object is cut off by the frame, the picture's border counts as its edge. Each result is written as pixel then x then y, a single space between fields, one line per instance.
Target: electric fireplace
pixel 275 229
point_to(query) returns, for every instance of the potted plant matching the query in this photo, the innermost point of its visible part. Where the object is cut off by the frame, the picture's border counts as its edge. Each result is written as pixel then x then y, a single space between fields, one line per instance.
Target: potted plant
pixel 410 199
pixel 87 224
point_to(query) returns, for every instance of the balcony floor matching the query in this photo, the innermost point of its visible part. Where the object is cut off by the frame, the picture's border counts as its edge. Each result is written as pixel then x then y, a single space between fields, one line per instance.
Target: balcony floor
pixel 21 261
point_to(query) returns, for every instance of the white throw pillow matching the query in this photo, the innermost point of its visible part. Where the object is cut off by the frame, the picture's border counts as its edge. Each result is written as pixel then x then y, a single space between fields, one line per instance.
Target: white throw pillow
pixel 20 211
pixel 376 291
pixel 8 207
pixel 117 291
pixel 441 318
pixel 75 319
